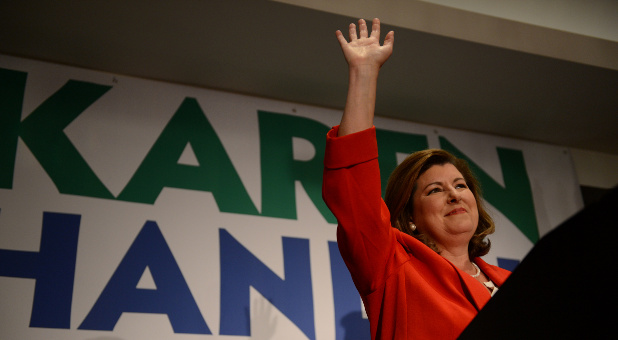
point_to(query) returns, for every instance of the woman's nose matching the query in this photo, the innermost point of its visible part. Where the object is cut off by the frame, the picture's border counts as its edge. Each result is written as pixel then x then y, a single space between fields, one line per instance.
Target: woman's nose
pixel 454 196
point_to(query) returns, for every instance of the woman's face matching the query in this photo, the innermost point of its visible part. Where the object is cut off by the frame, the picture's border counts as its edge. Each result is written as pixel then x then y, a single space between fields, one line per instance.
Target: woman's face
pixel 444 206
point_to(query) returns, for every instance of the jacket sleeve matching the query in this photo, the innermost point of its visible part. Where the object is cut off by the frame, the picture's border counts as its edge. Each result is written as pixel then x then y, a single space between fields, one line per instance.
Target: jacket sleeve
pixel 351 190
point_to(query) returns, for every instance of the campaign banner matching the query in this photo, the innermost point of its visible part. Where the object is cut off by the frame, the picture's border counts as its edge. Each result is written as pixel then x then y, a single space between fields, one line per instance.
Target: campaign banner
pixel 138 209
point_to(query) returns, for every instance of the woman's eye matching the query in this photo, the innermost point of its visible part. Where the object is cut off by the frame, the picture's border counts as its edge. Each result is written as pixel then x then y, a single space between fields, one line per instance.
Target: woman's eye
pixel 461 185
pixel 433 191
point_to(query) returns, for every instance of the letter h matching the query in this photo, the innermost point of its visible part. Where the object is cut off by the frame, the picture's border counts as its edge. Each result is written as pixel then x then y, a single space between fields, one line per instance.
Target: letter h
pixel 53 268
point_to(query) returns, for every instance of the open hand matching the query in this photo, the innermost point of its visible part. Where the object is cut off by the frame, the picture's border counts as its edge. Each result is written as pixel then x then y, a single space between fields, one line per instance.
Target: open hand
pixel 364 49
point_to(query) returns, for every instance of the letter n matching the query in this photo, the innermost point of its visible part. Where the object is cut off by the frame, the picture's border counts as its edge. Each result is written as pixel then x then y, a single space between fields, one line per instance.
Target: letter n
pixel 240 269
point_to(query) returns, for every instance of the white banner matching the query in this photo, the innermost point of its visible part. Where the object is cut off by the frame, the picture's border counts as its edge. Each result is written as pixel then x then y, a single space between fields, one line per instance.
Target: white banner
pixel 135 209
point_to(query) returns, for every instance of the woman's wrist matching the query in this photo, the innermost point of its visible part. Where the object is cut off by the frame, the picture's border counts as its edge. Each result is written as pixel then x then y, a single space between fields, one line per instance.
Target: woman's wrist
pixel 364 71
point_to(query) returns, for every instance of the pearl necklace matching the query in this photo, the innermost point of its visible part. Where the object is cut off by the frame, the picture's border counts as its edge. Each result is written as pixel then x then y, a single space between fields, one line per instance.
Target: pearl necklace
pixel 478 271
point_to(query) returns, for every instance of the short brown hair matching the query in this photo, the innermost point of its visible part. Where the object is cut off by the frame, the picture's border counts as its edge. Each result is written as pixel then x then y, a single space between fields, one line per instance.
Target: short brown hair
pixel 402 185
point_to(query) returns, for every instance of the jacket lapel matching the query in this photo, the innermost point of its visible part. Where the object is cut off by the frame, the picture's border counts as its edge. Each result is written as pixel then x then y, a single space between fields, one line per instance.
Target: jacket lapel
pixel 477 293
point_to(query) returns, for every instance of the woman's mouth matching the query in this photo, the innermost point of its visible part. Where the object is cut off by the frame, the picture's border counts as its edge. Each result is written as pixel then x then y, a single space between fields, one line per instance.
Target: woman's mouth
pixel 457 211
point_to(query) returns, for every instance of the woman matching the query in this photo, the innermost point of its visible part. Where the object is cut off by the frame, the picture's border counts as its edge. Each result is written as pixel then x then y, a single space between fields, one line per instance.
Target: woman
pixel 415 263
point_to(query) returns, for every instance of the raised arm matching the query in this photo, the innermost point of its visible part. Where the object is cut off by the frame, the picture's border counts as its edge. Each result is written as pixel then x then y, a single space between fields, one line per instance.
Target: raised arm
pixel 365 57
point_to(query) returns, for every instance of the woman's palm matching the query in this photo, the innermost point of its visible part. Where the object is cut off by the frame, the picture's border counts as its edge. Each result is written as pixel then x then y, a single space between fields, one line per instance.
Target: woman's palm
pixel 365 49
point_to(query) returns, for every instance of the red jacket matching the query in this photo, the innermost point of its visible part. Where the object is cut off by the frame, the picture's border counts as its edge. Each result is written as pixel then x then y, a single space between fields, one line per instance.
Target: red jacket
pixel 409 291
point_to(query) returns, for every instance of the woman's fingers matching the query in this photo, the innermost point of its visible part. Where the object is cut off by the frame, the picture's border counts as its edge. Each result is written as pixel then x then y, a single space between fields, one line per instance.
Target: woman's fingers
pixel 352 32
pixel 389 40
pixel 363 32
pixel 340 37
pixel 363 28
pixel 375 28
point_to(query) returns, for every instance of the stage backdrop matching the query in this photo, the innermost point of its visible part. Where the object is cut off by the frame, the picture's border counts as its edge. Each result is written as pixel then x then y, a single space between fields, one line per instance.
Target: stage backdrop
pixel 135 209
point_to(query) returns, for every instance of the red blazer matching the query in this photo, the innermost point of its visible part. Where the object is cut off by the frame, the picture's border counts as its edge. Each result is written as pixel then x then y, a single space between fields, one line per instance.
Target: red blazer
pixel 409 291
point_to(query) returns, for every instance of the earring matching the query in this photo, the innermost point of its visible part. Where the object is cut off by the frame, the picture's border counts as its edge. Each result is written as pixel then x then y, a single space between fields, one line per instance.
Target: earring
pixel 412 226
